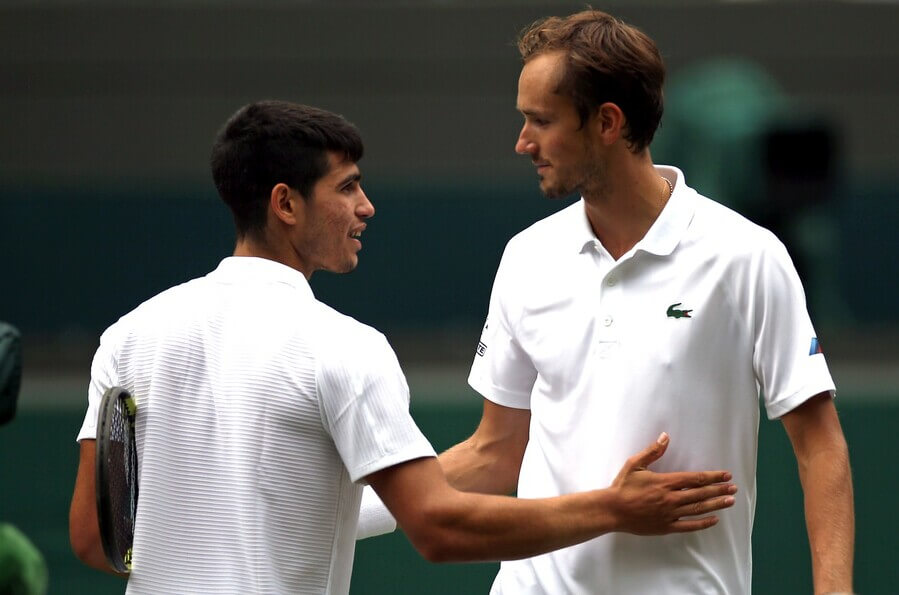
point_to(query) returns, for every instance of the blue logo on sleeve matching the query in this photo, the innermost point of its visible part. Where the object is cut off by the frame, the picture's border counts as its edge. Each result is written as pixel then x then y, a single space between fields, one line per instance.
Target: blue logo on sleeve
pixel 816 347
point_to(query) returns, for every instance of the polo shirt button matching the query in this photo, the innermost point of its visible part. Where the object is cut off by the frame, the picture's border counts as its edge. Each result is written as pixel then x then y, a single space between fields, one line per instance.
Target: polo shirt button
pixel 607 321
pixel 611 281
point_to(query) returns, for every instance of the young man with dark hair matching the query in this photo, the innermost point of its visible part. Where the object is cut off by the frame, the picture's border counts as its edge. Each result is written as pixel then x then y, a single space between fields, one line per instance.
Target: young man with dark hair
pixel 642 306
pixel 261 411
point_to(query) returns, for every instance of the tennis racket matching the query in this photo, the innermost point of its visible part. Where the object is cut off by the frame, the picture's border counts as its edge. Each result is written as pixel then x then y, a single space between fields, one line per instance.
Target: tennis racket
pixel 116 475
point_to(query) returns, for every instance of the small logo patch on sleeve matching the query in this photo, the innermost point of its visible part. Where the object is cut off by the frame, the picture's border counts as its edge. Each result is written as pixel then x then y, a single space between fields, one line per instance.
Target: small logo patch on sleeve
pixel 815 347
pixel 482 349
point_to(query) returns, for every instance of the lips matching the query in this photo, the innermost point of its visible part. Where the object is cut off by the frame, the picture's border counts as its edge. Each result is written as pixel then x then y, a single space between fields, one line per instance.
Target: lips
pixel 356 234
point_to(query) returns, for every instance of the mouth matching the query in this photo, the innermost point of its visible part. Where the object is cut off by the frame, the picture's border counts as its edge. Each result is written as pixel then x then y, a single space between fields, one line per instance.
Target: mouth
pixel 356 234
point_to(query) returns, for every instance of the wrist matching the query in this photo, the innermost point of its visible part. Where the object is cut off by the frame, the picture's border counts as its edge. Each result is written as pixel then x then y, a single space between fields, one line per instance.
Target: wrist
pixel 610 509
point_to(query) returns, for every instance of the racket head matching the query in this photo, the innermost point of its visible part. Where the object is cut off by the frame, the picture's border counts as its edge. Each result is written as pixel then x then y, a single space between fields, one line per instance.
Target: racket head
pixel 116 476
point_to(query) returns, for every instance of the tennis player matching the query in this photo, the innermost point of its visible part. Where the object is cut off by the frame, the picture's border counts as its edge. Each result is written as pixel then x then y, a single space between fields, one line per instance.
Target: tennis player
pixel 262 411
pixel 652 307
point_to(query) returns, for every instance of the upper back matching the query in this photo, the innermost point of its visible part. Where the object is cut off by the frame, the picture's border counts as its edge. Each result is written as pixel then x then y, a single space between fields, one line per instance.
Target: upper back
pixel 241 486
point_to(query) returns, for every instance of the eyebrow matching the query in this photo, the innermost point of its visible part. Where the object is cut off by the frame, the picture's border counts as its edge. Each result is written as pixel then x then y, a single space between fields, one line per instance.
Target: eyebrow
pixel 532 113
pixel 354 177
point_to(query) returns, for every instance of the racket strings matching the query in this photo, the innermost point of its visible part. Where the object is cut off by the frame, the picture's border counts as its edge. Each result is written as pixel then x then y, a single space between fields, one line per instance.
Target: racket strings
pixel 122 477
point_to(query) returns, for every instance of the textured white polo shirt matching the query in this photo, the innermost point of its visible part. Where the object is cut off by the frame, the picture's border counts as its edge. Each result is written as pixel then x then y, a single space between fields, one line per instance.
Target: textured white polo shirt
pixel 679 335
pixel 259 410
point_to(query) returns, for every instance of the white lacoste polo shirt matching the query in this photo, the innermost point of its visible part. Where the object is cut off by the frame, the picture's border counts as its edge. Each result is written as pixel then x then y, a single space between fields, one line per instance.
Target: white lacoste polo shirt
pixel 258 410
pixel 679 335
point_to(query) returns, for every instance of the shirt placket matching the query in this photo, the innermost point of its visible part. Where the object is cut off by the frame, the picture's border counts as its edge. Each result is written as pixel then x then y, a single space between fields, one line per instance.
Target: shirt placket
pixel 608 304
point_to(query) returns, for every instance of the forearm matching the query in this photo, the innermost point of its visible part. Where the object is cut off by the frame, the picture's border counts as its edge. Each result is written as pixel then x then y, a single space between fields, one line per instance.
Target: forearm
pixel 464 470
pixel 84 529
pixel 472 466
pixel 84 534
pixel 830 518
pixel 445 524
pixel 488 528
pixel 489 461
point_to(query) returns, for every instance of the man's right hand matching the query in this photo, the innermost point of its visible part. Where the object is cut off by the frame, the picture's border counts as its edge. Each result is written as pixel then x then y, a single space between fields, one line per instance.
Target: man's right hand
pixel 657 503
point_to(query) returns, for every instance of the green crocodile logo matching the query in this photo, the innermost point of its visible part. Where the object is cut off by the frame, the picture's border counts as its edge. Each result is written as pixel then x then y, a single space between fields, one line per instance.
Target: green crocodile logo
pixel 673 312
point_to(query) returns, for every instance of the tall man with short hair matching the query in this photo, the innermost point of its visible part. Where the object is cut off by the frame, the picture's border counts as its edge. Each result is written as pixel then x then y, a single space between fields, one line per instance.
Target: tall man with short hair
pixel 262 411
pixel 642 306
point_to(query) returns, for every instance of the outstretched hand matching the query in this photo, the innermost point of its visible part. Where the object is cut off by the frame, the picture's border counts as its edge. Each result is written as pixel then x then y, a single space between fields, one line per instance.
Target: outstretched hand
pixel 657 503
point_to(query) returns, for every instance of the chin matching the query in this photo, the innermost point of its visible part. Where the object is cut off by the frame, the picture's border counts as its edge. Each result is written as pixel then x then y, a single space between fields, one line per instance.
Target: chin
pixel 349 266
pixel 551 192
pixel 341 268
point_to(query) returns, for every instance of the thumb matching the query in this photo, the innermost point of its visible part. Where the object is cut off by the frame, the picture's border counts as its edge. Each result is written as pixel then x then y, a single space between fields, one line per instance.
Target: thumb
pixel 653 452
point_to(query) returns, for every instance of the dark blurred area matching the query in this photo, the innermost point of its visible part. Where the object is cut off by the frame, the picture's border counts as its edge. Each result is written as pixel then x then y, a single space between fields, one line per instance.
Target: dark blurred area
pixel 779 111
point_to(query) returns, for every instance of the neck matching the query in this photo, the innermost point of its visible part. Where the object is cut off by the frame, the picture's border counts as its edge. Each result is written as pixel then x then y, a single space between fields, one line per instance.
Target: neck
pixel 626 206
pixel 264 248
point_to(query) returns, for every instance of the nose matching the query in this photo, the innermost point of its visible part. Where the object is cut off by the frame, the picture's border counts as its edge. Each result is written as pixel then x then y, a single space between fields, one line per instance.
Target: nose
pixel 525 146
pixel 365 208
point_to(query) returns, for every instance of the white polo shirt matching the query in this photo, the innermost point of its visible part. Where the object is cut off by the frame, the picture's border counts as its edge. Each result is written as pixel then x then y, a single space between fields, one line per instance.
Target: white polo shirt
pixel 259 410
pixel 679 335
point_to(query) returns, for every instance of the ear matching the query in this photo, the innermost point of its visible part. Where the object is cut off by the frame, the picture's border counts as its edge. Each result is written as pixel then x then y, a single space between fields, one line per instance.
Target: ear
pixel 283 203
pixel 608 123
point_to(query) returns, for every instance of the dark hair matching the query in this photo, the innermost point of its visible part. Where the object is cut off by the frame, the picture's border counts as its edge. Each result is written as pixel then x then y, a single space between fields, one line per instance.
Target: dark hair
pixel 271 142
pixel 606 61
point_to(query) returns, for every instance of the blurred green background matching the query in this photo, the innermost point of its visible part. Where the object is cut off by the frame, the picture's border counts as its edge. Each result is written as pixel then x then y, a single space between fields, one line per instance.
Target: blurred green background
pixel 784 112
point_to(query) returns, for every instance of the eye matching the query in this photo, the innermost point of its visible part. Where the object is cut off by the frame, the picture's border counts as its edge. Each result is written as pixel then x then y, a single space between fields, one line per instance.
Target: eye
pixel 536 121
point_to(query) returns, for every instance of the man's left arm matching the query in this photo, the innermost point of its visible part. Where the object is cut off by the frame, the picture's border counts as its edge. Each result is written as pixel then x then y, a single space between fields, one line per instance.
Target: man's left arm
pixel 84 529
pixel 823 459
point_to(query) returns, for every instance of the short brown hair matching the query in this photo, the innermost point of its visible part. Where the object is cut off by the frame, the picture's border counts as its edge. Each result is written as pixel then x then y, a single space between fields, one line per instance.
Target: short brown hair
pixel 606 60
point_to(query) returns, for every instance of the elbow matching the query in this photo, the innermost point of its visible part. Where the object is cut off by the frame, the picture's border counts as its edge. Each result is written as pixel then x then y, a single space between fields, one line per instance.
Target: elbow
pixel 437 549
pixel 432 535
pixel 85 542
pixel 82 546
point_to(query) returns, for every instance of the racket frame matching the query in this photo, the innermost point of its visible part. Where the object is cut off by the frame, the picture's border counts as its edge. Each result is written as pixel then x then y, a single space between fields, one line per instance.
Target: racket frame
pixel 121 562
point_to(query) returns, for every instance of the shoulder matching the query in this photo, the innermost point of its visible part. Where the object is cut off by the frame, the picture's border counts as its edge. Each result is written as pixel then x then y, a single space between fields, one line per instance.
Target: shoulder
pixel 545 239
pixel 730 233
pixel 155 311
pixel 751 257
pixel 343 340
pixel 556 226
pixel 352 358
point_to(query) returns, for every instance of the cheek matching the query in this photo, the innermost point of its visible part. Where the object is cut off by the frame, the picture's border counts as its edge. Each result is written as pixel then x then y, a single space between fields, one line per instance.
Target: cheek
pixel 555 146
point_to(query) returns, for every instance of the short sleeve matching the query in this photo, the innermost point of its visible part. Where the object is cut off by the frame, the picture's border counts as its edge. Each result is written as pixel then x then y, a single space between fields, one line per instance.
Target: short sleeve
pixel 502 372
pixel 788 360
pixel 103 376
pixel 365 405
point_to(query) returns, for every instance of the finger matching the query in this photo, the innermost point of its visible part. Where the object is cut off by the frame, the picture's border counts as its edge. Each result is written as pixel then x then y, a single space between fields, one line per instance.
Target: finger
pixel 685 526
pixel 684 497
pixel 692 479
pixel 650 454
pixel 704 506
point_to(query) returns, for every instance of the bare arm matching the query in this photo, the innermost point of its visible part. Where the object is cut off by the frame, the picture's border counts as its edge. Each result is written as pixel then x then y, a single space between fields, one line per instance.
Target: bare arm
pixel 445 524
pixel 823 458
pixel 490 460
pixel 84 530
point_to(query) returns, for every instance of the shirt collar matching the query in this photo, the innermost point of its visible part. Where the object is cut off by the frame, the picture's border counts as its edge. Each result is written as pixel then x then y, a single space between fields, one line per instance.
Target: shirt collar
pixel 667 230
pixel 240 269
